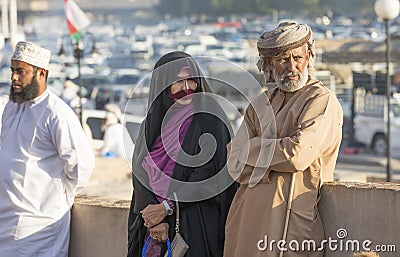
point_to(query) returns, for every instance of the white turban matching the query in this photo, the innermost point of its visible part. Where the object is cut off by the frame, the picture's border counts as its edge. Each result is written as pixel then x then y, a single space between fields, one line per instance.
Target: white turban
pixel 287 36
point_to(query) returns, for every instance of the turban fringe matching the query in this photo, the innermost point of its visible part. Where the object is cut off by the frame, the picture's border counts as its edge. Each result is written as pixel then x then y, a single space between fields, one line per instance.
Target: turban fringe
pixel 275 51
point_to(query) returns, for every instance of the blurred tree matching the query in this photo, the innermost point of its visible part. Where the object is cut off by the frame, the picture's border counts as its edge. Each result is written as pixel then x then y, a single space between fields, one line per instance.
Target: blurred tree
pixel 219 7
pixel 200 7
pixel 345 6
pixel 168 7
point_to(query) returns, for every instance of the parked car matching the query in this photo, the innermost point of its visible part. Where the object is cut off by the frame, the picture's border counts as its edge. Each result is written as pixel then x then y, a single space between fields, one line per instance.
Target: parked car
pixel 126 76
pixel 115 94
pixel 90 81
pixel 370 125
pixel 130 98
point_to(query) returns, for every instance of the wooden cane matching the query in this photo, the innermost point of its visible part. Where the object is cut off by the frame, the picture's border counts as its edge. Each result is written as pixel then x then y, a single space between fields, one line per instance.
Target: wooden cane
pixel 288 210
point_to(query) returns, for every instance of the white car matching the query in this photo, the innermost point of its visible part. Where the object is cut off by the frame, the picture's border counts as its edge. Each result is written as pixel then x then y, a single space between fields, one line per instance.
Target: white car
pixel 370 129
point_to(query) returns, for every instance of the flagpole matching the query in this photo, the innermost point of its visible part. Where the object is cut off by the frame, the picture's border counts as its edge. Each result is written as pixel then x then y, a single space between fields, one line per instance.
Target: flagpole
pixel 78 54
pixel 76 22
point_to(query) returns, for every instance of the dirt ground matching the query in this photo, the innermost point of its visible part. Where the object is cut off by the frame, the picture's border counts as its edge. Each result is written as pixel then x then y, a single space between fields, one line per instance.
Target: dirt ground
pixel 110 178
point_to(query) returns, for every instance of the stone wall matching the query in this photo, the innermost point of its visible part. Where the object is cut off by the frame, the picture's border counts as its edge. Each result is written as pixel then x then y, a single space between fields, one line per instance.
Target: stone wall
pixel 363 212
pixel 352 213
pixel 99 227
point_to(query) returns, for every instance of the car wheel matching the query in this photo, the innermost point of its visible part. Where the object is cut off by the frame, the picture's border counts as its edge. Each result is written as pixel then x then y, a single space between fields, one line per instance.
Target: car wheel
pixel 379 144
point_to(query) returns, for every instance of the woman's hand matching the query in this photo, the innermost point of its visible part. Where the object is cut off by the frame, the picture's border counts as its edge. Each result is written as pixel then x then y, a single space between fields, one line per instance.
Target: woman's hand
pixel 160 232
pixel 153 214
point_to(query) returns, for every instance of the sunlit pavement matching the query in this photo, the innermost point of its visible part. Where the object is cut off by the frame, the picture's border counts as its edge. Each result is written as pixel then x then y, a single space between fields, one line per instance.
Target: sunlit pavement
pixel 357 164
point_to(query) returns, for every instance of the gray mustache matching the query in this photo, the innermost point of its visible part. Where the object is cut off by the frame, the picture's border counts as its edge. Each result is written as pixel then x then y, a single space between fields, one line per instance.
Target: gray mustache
pixel 291 74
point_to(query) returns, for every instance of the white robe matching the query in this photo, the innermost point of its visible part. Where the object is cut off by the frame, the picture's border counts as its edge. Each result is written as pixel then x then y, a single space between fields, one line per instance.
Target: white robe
pixel 45 158
pixel 1 112
pixel 113 141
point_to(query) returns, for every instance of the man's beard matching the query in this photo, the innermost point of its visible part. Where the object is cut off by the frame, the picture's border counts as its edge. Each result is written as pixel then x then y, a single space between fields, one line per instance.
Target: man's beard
pixel 27 93
pixel 291 85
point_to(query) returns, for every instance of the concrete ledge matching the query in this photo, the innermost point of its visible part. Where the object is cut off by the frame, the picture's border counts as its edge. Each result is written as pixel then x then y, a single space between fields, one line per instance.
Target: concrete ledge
pixel 99 227
pixel 365 211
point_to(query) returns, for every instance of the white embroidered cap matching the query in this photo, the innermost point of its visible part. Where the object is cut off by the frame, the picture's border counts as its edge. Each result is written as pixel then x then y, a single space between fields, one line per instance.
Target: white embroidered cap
pixel 32 54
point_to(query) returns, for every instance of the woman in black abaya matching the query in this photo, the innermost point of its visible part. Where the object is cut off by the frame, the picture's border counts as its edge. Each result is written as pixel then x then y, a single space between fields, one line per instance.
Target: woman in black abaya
pixel 181 149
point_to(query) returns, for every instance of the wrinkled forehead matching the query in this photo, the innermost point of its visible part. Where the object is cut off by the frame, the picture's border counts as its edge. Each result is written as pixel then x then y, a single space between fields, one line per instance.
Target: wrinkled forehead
pixel 302 50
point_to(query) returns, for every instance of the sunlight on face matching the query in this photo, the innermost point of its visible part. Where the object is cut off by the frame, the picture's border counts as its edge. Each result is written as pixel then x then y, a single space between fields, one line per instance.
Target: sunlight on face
pixel 290 69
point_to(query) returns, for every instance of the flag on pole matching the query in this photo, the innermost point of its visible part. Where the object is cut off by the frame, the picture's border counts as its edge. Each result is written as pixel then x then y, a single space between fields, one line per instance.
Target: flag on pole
pixel 76 19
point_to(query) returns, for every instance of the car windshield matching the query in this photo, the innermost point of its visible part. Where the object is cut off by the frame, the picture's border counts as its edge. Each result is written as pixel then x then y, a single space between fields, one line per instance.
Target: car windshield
pixel 127 79
pixel 90 82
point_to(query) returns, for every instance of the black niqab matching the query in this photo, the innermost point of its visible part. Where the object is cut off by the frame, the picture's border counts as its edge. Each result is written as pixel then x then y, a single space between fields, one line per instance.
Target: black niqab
pixel 203 219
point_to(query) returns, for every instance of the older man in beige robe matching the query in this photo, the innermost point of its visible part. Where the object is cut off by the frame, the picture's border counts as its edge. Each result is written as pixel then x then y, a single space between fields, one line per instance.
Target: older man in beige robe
pixel 291 132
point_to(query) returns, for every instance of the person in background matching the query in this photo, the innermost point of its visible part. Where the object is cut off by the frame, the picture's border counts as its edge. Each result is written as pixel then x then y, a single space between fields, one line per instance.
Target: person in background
pixel 284 151
pixel 181 149
pixel 113 144
pixel 1 111
pixel 45 160
pixel 69 95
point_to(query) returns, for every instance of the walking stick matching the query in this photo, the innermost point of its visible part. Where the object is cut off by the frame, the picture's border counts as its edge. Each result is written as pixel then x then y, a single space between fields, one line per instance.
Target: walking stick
pixel 288 210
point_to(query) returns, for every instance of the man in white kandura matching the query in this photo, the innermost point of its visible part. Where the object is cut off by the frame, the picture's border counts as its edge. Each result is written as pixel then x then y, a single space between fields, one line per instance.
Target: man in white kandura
pixel 45 158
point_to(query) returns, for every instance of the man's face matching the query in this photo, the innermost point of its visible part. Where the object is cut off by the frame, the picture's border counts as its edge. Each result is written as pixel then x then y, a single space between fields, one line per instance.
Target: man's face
pixel 24 85
pixel 290 69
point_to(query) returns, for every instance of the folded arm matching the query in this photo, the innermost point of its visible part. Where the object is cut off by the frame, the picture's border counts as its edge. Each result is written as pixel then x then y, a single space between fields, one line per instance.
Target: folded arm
pixel 254 154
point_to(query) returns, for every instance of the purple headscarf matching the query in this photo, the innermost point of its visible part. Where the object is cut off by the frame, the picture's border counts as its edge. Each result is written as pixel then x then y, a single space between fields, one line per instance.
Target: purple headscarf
pixel 161 160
